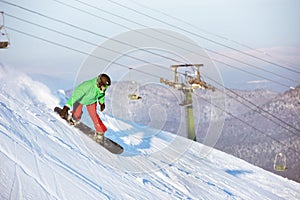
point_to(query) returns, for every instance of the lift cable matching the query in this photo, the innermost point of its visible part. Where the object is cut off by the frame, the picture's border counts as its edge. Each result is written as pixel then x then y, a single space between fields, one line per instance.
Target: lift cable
pixel 172 36
pixel 79 51
pixel 142 60
pixel 205 38
pixel 208 32
pixel 84 41
pixel 89 31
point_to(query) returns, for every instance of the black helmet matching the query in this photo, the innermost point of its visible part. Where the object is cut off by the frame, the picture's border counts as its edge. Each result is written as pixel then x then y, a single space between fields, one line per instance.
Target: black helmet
pixel 103 79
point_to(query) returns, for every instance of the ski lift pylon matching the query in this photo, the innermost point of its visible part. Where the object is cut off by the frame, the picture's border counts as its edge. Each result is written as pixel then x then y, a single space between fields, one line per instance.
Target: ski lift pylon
pixel 4 39
pixel 280 162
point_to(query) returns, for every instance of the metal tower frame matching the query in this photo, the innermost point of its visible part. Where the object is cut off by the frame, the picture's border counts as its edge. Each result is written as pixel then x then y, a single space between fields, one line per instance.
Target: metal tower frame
pixel 192 83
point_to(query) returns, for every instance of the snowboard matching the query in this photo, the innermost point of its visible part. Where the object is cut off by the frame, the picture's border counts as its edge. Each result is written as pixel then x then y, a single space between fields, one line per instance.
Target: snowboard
pixel 107 143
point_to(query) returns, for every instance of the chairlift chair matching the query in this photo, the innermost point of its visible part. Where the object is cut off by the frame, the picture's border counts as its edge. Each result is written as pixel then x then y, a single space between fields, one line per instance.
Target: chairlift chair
pixel 134 97
pixel 4 44
pixel 280 162
pixel 4 39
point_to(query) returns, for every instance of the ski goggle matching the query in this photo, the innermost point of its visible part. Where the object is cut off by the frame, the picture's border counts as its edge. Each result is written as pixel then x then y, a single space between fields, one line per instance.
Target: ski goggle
pixel 105 86
pixel 99 84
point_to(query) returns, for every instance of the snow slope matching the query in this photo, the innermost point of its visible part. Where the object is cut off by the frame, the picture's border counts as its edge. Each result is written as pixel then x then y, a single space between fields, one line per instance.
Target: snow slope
pixel 41 157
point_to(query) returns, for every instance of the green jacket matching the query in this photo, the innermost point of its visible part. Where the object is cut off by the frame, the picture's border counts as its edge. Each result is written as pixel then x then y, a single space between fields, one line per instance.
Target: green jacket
pixel 87 93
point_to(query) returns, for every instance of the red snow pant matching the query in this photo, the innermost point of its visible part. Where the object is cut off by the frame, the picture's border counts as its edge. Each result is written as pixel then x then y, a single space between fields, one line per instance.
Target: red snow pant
pixel 77 113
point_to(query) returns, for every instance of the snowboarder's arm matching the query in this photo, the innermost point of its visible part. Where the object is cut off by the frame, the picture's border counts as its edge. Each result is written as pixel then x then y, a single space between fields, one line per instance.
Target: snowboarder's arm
pixel 101 100
pixel 76 96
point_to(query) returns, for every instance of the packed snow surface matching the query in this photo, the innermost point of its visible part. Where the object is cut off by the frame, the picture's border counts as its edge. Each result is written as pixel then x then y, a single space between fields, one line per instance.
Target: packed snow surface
pixel 42 157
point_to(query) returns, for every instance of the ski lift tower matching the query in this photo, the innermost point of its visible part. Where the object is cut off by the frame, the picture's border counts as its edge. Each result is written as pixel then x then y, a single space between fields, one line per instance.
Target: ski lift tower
pixel 190 83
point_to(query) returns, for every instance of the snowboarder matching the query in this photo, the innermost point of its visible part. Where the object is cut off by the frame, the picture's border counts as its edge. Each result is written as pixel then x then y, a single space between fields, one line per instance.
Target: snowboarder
pixel 89 93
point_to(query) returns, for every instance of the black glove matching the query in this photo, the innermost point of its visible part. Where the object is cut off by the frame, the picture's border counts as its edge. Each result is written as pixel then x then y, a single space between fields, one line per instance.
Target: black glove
pixel 102 107
pixel 64 112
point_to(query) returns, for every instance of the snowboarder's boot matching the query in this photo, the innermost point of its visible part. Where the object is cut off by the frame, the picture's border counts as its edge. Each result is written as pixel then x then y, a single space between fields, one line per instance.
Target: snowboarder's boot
pixel 99 137
pixel 73 121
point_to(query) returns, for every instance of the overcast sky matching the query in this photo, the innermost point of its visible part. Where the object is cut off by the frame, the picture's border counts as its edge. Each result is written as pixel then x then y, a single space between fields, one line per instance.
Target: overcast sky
pixel 271 26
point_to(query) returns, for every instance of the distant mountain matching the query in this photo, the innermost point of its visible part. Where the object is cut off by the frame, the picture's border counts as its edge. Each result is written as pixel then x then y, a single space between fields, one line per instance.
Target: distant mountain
pixel 278 133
